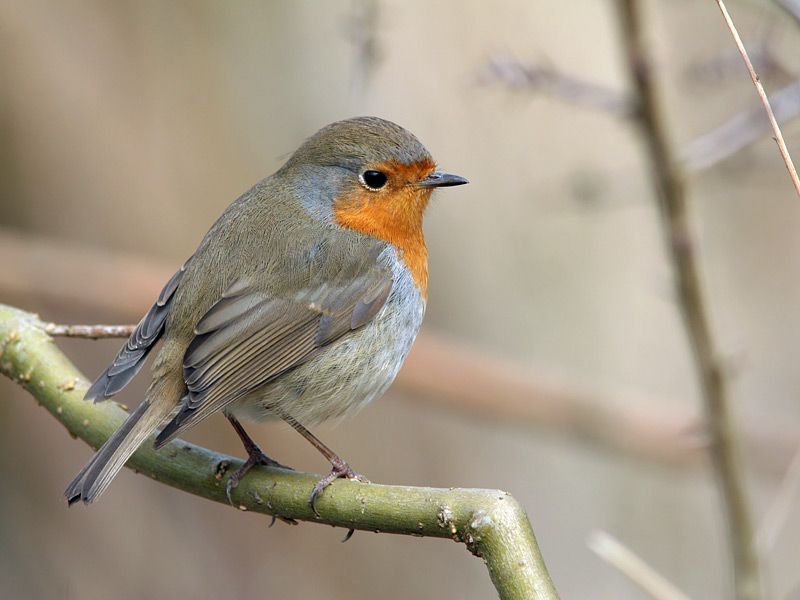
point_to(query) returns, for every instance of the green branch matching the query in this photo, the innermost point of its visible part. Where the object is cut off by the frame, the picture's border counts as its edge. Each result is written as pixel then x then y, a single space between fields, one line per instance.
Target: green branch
pixel 491 523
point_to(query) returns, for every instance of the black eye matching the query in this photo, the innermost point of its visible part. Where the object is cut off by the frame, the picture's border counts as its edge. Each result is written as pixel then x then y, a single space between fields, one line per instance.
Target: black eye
pixel 374 180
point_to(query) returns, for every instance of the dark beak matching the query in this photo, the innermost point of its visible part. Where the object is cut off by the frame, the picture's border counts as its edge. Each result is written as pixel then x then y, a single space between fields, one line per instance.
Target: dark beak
pixel 439 179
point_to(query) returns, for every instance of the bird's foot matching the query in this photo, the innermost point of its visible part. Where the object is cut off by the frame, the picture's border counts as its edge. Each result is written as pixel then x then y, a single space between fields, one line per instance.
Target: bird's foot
pixel 340 470
pixel 255 456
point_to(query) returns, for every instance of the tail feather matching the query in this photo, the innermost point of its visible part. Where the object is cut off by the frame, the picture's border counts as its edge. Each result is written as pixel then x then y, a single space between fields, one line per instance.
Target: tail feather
pixel 98 473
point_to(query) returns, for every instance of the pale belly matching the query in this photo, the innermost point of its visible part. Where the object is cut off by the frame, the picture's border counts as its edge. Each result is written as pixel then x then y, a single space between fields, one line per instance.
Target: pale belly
pixel 349 373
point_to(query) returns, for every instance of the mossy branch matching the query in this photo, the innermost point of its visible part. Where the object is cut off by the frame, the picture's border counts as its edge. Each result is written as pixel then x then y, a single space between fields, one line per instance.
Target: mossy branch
pixel 491 524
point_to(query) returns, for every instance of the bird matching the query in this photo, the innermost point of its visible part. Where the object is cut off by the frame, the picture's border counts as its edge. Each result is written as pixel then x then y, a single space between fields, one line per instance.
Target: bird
pixel 300 303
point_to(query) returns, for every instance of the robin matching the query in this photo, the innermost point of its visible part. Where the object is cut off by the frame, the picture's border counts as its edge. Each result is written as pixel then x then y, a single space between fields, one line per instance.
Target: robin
pixel 301 302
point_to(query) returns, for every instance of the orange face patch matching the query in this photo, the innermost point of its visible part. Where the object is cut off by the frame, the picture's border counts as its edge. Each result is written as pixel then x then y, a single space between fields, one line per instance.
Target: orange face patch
pixel 393 213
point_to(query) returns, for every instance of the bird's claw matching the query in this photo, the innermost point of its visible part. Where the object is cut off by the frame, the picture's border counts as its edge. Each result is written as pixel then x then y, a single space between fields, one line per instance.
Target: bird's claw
pixel 255 457
pixel 348 535
pixel 340 470
pixel 233 482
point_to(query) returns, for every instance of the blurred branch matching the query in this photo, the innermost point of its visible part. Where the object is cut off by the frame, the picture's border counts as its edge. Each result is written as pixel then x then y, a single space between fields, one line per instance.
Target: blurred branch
pixel 762 94
pixel 491 524
pixel 66 273
pixel 739 131
pixel 702 153
pixel 438 372
pixel 549 81
pixel 670 188
pixel 361 30
pixel 778 511
pixel 791 8
pixel 633 567
pixel 725 64
pixel 446 374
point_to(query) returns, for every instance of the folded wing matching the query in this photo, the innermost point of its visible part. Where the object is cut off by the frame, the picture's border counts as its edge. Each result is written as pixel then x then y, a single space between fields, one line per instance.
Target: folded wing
pixel 249 337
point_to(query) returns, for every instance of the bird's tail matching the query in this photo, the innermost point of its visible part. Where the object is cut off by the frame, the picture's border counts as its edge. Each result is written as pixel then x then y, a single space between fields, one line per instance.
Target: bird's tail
pixel 96 476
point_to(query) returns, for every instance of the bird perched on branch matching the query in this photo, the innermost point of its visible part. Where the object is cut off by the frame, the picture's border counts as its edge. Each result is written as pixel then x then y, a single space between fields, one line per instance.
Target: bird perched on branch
pixel 301 302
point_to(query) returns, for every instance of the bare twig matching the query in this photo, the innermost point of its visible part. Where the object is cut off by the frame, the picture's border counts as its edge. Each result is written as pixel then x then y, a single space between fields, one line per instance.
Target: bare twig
pixel 615 553
pixel 92 332
pixel 545 79
pixel 739 131
pixel 670 188
pixel 725 64
pixel 780 507
pixel 787 159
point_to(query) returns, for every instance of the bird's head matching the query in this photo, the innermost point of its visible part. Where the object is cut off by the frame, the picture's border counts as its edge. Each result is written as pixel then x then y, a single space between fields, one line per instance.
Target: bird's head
pixel 372 176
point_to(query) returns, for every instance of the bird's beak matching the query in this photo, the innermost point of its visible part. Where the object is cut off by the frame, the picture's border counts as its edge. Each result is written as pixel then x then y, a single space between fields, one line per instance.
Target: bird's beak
pixel 439 179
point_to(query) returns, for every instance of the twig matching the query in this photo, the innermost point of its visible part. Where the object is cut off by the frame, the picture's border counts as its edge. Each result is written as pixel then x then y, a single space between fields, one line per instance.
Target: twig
pixel 547 80
pixel 490 523
pixel 92 332
pixel 780 507
pixel 701 153
pixel 787 159
pixel 633 567
pixel 725 63
pixel 791 8
pixel 361 29
pixel 670 188
pixel 439 372
pixel 739 131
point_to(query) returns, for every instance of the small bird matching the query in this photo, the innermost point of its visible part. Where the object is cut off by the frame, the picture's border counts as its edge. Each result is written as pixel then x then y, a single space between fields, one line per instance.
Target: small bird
pixel 300 303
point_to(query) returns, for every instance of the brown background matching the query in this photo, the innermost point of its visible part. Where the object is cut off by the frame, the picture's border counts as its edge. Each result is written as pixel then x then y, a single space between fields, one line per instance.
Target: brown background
pixel 129 126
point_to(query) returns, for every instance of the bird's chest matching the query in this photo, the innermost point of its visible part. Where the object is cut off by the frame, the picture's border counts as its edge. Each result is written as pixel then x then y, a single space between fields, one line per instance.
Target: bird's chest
pixel 352 371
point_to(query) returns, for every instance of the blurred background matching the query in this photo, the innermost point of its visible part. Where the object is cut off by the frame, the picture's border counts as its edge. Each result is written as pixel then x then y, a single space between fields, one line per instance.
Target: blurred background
pixel 553 361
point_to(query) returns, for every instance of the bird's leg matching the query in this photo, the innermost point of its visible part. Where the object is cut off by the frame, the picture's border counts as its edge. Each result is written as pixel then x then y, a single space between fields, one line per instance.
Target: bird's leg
pixel 255 456
pixel 340 466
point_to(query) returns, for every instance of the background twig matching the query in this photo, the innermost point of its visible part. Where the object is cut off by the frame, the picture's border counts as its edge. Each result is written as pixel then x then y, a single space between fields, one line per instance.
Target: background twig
pixel 671 191
pixel 781 506
pixel 739 131
pixel 791 8
pixel 632 566
pixel 762 94
pixel 548 80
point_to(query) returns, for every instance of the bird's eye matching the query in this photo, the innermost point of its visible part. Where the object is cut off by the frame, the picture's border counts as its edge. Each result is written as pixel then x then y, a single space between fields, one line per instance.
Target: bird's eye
pixel 373 180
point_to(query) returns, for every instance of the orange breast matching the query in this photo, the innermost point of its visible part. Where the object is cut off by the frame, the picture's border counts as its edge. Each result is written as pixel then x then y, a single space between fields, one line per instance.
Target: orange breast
pixel 393 215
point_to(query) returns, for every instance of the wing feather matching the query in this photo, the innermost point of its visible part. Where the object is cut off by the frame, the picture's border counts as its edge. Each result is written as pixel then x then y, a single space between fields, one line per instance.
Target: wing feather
pixel 249 337
pixel 132 355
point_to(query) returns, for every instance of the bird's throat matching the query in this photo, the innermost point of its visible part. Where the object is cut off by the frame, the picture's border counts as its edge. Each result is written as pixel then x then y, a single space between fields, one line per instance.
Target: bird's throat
pixel 396 219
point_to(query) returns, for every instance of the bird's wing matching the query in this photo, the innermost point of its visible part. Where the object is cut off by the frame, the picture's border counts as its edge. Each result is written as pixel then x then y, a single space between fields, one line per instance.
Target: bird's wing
pixel 131 357
pixel 249 337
